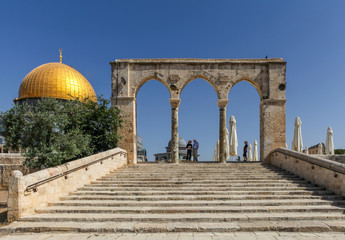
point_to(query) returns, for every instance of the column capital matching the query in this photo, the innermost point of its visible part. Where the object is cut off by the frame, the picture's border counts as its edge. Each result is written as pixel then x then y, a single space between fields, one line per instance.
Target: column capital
pixel 222 103
pixel 175 102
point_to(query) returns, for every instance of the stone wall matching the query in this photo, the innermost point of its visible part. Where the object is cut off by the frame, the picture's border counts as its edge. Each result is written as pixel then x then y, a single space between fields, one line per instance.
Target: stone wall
pixel 23 200
pixel 323 172
pixel 8 163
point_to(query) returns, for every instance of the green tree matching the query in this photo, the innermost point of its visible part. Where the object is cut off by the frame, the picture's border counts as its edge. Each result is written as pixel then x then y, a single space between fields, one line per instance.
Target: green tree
pixel 53 131
pixel 99 120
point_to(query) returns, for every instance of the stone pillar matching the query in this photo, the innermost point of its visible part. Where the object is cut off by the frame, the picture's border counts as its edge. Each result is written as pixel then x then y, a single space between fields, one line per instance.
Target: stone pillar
pixel 128 132
pixel 175 103
pixel 272 126
pixel 222 103
pixel 15 187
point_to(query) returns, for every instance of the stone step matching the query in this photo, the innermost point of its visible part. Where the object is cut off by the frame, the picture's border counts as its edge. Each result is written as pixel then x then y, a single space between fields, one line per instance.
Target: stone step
pixel 201 172
pixel 175 195
pixel 203 183
pixel 92 196
pixel 191 209
pixel 150 181
pixel 203 190
pixel 183 203
pixel 205 197
pixel 154 227
pixel 292 178
pixel 187 167
pixel 192 186
pixel 149 165
pixel 184 217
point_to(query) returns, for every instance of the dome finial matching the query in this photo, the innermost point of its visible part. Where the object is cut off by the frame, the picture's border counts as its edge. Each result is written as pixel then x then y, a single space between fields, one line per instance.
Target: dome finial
pixel 60 50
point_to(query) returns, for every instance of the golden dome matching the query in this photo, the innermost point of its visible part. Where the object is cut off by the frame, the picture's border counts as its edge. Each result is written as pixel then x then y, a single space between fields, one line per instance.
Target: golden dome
pixel 56 80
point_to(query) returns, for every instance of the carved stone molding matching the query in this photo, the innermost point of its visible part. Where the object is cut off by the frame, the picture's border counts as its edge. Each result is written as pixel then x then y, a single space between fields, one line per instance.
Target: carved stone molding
pixel 174 78
pixel 175 102
pixel 222 103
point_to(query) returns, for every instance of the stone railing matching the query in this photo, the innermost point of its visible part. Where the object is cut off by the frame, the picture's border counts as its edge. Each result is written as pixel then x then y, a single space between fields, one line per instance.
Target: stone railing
pixel 26 193
pixel 323 172
pixel 8 163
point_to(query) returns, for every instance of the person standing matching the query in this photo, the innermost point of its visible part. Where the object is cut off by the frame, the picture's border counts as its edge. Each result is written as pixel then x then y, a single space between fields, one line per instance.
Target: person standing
pixel 195 150
pixel 245 150
pixel 189 150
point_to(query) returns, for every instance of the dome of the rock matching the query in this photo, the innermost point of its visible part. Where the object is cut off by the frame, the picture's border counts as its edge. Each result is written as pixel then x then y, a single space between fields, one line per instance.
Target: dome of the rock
pixel 55 80
pixel 181 142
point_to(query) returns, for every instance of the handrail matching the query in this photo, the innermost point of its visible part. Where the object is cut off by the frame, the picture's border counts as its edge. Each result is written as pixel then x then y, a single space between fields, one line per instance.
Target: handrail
pixel 315 160
pixel 34 186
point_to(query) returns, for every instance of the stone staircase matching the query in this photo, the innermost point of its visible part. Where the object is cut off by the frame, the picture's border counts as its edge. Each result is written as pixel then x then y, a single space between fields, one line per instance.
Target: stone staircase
pixel 195 197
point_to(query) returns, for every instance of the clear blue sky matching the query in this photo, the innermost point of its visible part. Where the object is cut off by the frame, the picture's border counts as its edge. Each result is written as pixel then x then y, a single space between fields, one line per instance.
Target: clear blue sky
pixel 308 34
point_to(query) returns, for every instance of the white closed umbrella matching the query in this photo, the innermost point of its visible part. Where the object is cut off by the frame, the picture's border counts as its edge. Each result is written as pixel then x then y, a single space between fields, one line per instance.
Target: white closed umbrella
pixel 250 153
pixel 306 151
pixel 319 149
pixel 255 151
pixel 297 142
pixel 329 142
pixel 217 147
pixel 227 145
pixel 215 159
pixel 233 144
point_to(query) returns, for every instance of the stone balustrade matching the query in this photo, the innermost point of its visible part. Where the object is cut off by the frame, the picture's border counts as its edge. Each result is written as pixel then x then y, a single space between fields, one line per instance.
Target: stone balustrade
pixel 26 193
pixel 314 168
pixel 337 158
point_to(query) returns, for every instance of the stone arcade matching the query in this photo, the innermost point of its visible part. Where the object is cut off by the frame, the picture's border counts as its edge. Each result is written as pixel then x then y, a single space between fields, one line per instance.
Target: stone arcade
pixel 266 75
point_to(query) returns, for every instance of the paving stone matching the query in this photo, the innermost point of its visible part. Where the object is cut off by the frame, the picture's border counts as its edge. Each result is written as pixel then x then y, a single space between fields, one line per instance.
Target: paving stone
pixel 245 236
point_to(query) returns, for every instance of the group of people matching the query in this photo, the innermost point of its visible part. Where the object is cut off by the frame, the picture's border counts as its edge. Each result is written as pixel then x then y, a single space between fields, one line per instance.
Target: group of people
pixel 192 147
pixel 195 146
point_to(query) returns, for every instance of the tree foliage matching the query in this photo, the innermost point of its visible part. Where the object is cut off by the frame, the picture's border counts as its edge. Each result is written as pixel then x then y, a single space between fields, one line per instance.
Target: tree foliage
pixel 339 151
pixel 53 131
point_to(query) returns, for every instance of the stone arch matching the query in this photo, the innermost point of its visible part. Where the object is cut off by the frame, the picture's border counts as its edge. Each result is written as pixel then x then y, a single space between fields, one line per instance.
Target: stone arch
pixel 143 126
pixel 207 79
pixel 145 80
pixel 266 75
pixel 251 82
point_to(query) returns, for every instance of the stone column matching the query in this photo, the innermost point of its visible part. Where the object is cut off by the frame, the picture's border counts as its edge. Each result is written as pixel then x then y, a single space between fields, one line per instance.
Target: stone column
pixel 175 103
pixel 128 132
pixel 272 126
pixel 222 103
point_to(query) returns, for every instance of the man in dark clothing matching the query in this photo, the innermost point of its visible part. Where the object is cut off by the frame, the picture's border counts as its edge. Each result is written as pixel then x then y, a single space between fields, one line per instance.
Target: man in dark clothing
pixel 245 149
pixel 189 150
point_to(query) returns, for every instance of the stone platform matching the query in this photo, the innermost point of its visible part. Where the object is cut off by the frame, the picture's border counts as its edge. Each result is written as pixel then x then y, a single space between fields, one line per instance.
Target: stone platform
pixel 163 201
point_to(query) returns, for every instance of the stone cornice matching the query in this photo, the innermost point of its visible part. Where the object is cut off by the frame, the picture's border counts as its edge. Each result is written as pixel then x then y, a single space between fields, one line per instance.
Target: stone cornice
pixel 201 61
pixel 273 101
